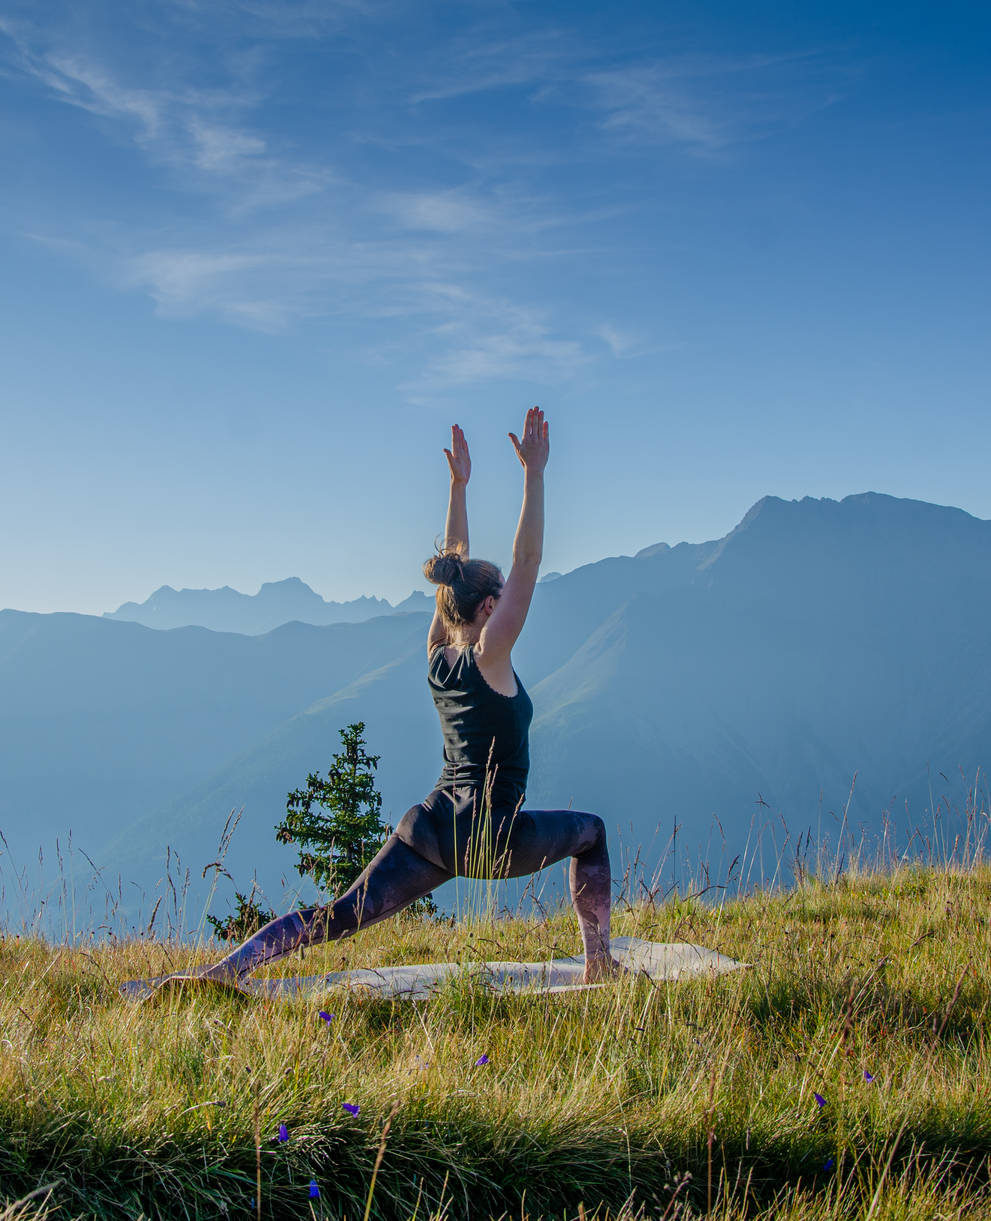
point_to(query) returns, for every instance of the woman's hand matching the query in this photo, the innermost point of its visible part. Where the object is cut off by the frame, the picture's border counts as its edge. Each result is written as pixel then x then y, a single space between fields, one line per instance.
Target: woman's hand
pixel 534 449
pixel 458 458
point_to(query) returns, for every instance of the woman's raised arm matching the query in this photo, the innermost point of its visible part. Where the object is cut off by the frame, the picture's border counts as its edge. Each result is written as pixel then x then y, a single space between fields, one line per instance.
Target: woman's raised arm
pixel 459 460
pixel 506 621
pixel 456 526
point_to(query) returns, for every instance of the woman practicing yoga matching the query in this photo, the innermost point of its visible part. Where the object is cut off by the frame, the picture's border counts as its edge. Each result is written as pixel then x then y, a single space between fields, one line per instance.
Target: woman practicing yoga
pixel 472 824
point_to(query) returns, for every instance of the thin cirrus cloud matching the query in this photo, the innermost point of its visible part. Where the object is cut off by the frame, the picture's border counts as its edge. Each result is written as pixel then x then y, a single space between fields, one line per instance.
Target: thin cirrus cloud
pixel 525 351
pixel 643 104
pixel 503 214
pixel 301 19
pixel 702 103
pixel 435 211
pixel 185 129
pixel 409 253
pixel 243 164
pixel 487 338
pixel 271 276
pixel 706 103
pixel 233 285
pixel 277 277
pixel 87 86
pixel 461 336
pixel 621 343
pixel 224 150
pixel 476 64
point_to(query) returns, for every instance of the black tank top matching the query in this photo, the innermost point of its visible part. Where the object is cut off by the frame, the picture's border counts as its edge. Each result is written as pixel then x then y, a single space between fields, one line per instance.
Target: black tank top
pixel 482 729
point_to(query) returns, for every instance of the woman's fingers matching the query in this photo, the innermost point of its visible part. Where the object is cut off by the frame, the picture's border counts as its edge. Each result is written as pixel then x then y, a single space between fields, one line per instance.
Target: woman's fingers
pixel 533 448
pixel 457 456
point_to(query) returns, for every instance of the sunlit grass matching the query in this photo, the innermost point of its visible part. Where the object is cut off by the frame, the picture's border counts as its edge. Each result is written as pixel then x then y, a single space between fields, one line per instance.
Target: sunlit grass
pixel 636 1100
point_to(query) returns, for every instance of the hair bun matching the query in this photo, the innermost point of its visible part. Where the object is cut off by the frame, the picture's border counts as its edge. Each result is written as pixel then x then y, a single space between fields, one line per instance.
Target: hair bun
pixel 444 569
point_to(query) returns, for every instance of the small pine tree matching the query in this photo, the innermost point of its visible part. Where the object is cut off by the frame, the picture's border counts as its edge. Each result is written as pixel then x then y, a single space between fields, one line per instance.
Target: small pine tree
pixel 337 822
pixel 247 918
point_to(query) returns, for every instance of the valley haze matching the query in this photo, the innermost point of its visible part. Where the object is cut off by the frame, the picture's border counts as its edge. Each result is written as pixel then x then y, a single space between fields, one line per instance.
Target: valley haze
pixel 731 689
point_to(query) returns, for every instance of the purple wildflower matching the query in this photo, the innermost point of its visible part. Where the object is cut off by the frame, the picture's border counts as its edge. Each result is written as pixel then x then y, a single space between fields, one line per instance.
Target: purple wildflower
pixel 283 1133
pixel 483 1059
pixel 819 1099
pixel 828 1164
pixel 868 1077
pixel 351 1107
pixel 327 1017
pixel 314 1190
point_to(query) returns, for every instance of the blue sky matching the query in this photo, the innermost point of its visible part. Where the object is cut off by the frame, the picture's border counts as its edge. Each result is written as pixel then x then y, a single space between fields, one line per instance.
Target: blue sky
pixel 257 256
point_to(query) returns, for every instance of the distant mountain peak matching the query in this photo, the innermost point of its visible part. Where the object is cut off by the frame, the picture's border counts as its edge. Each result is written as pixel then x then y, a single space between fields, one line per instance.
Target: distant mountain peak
pixel 873 504
pixel 286 583
pixel 227 610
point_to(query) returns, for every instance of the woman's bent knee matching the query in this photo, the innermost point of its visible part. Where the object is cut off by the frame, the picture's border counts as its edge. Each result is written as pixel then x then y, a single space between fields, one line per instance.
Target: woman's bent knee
pixel 594 832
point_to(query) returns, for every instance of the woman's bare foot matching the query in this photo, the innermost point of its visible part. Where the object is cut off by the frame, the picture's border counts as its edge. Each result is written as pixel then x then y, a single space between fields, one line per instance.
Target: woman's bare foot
pixel 218 974
pixel 194 983
pixel 600 970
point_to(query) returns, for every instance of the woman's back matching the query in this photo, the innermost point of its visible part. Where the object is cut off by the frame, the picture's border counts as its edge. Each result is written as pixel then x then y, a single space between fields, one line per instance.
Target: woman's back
pixel 485 732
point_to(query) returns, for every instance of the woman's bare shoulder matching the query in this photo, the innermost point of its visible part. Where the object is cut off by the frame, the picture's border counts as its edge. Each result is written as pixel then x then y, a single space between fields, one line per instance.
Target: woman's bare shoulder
pixel 497 671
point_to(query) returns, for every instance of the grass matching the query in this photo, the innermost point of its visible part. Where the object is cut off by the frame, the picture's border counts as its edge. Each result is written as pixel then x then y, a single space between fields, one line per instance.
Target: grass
pixel 633 1101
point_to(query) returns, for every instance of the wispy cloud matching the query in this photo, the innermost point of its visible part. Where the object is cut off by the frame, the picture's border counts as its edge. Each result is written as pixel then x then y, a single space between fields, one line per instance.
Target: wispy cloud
pixel 436 211
pixel 523 351
pixel 707 103
pixel 87 86
pixel 302 18
pixel 491 339
pixel 619 342
pixel 280 19
pixel 276 231
pixel 199 132
pixel 481 63
pixel 703 103
pixel 642 103
pixel 224 149
pixel 185 282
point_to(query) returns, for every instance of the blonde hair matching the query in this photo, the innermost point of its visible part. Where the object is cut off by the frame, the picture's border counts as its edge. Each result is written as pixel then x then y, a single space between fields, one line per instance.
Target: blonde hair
pixel 463 585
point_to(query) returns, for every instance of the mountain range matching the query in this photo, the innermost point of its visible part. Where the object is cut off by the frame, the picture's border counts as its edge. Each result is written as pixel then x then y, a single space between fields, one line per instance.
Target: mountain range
pixel 723 695
pixel 277 602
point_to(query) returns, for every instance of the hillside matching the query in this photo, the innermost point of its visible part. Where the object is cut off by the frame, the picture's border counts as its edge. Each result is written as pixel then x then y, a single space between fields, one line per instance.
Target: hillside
pixel 843 1075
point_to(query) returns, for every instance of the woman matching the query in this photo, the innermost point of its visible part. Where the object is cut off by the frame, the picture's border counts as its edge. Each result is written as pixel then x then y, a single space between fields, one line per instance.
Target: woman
pixel 472 823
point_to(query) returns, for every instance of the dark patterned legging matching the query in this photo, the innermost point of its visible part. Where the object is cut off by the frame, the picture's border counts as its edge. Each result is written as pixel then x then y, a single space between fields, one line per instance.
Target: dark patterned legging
pixel 443 837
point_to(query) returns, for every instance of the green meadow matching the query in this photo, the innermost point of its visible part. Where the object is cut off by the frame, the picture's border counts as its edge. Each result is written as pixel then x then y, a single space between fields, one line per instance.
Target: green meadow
pixel 845 1073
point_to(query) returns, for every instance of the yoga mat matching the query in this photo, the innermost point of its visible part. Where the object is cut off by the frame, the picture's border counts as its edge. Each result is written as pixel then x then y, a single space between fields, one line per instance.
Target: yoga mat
pixel 659 961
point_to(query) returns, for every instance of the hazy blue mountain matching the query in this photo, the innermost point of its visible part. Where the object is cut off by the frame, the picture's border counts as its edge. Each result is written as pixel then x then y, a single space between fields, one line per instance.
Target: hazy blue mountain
pixel 401 725
pixel 277 602
pixel 818 639
pixel 701 685
pixel 103 724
